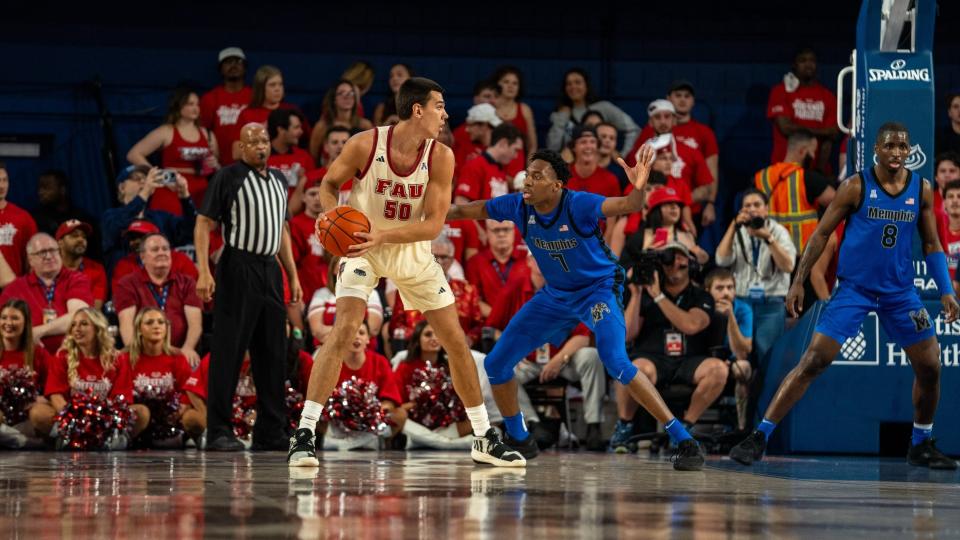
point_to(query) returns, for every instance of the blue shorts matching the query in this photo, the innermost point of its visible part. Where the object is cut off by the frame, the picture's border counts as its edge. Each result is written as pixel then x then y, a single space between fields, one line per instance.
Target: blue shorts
pixel 902 315
pixel 550 316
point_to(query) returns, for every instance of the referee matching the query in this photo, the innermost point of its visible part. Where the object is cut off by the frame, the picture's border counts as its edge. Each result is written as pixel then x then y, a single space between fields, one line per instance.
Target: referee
pixel 250 201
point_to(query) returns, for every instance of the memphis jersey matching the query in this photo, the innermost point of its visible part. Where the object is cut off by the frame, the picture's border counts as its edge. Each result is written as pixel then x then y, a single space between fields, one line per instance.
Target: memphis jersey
pixel 876 253
pixel 388 197
pixel 567 244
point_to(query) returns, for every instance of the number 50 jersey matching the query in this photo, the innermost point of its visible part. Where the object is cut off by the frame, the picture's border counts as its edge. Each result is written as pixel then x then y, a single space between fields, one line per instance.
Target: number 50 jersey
pixel 876 253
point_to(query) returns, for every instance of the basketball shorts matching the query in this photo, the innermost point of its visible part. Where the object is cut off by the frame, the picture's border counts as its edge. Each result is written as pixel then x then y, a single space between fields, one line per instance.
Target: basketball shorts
pixel 902 315
pixel 550 316
pixel 418 276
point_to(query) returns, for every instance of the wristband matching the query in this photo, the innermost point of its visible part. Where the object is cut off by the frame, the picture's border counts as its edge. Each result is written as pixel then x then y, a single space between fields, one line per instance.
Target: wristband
pixel 937 267
pixel 658 298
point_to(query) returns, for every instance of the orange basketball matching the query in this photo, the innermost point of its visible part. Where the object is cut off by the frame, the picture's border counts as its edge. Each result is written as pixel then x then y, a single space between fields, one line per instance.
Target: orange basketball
pixel 336 233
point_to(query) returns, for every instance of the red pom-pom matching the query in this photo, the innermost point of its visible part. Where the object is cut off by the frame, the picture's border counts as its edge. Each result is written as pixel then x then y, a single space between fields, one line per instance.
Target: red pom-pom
pixel 18 390
pixel 294 401
pixel 244 416
pixel 355 408
pixel 88 421
pixel 164 405
pixel 435 402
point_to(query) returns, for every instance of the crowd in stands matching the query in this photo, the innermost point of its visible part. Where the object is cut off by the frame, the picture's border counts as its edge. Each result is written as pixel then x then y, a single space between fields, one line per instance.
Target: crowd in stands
pixel 109 303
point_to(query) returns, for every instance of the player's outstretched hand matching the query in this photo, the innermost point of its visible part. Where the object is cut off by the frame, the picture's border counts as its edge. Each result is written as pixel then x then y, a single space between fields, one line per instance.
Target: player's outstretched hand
pixel 950 307
pixel 795 300
pixel 373 239
pixel 639 174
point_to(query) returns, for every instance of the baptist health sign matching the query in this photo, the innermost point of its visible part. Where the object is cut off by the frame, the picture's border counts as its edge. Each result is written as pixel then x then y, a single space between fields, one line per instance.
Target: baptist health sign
pixel 870 346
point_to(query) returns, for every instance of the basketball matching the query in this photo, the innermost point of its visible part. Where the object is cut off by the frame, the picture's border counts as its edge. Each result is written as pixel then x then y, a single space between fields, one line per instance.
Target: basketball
pixel 336 234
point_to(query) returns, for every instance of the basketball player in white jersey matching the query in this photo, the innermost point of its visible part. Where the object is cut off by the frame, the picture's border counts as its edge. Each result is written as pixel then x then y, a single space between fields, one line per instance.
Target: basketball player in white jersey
pixel 404 183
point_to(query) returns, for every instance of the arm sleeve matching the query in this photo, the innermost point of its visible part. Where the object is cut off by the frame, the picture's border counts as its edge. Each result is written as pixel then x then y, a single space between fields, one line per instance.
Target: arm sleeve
pixel 505 207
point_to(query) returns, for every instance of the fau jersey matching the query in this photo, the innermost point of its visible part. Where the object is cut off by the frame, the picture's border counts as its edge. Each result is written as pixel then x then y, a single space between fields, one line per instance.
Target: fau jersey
pixel 876 253
pixel 567 243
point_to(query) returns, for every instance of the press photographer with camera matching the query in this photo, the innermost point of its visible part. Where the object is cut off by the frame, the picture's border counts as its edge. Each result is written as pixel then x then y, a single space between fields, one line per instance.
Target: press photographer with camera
pixel 667 319
pixel 761 255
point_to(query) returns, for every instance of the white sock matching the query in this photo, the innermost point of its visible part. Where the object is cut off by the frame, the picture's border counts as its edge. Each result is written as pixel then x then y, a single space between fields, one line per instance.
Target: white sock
pixel 478 419
pixel 310 415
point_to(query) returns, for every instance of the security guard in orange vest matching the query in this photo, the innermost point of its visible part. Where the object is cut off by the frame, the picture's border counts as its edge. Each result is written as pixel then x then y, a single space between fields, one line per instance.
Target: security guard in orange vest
pixel 795 192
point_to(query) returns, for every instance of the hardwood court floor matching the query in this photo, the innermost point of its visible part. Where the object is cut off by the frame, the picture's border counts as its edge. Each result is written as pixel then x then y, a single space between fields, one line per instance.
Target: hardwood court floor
pixel 438 495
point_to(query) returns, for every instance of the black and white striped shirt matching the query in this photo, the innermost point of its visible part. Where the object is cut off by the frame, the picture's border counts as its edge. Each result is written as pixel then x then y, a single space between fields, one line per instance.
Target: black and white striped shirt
pixel 251 208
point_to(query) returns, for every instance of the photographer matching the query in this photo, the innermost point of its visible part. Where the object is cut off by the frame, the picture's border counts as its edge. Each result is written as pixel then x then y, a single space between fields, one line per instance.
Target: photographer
pixel 667 319
pixel 761 255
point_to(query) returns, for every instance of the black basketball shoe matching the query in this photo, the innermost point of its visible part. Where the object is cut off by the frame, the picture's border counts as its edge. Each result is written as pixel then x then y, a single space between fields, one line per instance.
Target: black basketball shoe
pixel 926 454
pixel 689 456
pixel 750 449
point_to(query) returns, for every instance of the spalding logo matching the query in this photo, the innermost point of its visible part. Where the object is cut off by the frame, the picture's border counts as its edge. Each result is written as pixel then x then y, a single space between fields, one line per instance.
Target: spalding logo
pixel 916 160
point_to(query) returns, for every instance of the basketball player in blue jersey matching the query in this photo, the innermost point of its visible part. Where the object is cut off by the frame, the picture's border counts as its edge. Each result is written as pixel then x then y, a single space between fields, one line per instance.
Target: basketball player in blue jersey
pixel 584 284
pixel 883 205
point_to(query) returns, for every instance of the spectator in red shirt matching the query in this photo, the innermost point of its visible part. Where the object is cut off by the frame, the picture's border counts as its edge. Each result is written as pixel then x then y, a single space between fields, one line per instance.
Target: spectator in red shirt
pixel 585 172
pixel 478 128
pixel 946 170
pixel 800 101
pixel 54 293
pixel 156 366
pixel 312 260
pixel 267 96
pixel 465 236
pixel 498 264
pixel 466 143
pixel 403 320
pixel 485 177
pixel 72 237
pixel 131 263
pixel 187 148
pixel 575 360
pixel 688 164
pixel 339 109
pixel 158 285
pixel 18 351
pixel 608 154
pixel 284 129
pixel 511 110
pixel 220 107
pixel 322 309
pixel 950 230
pixel 16 227
pixel 87 362
pixel 385 114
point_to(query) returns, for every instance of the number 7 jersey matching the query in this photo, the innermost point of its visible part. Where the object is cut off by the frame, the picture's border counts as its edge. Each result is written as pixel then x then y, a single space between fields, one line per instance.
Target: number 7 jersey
pixel 876 252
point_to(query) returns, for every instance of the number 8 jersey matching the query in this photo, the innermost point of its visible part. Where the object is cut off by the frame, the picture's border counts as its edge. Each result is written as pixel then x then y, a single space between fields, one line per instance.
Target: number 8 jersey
pixel 876 252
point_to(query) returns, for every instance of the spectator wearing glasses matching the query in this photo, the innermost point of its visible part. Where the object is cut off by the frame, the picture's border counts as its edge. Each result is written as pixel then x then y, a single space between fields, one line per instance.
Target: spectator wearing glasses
pixel 339 109
pixel 498 264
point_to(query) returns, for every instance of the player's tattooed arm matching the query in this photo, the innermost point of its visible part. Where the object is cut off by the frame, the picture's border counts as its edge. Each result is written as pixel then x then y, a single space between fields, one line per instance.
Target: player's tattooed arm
pixel 848 199
pixel 470 210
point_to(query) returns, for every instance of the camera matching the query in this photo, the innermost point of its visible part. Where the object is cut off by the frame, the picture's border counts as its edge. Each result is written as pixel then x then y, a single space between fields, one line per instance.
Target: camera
pixel 168 177
pixel 651 262
pixel 756 222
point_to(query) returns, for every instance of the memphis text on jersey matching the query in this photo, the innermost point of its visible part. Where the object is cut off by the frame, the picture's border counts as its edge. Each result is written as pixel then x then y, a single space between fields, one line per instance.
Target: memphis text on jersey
pixel 890 215
pixel 396 193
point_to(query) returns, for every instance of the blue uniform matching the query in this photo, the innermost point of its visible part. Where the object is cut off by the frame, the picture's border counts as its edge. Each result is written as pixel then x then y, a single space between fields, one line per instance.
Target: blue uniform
pixel 875 268
pixel 584 284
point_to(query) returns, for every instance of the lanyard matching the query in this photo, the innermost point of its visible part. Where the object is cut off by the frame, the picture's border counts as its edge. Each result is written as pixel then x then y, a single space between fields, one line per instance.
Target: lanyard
pixel 50 291
pixel 160 298
pixel 756 252
pixel 504 274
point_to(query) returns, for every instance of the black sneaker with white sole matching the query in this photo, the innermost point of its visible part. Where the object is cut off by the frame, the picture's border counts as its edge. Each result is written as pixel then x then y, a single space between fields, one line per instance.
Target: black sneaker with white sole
pixel 302 452
pixel 926 454
pixel 528 447
pixel 689 456
pixel 490 449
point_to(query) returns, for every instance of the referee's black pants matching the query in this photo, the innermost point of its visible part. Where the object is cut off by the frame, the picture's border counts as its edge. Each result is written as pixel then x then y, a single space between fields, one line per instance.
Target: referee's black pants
pixel 249 313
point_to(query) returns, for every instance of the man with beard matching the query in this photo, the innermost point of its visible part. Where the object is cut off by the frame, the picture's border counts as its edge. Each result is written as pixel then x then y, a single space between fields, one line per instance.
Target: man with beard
pixel 72 237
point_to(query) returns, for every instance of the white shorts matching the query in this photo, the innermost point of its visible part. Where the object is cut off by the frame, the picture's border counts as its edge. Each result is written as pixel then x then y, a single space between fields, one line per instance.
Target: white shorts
pixel 418 276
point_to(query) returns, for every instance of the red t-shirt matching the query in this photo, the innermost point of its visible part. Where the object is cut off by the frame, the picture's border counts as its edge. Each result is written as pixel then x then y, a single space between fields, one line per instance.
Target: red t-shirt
pixel 137 291
pixel 69 285
pixel 463 233
pixel 463 148
pixel 16 228
pixel 309 254
pixel 183 154
pixel 810 106
pixel 180 263
pixel 601 182
pixel 376 369
pixel 90 375
pixel 41 364
pixel 693 134
pixel 482 178
pixel 292 164
pixel 261 114
pixel 166 372
pixel 951 246
pixel 943 220
pixel 490 277
pixel 97 276
pixel 219 112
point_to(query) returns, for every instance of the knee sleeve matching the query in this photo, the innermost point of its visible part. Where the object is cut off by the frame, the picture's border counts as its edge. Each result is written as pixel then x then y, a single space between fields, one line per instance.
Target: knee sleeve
pixel 498 365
